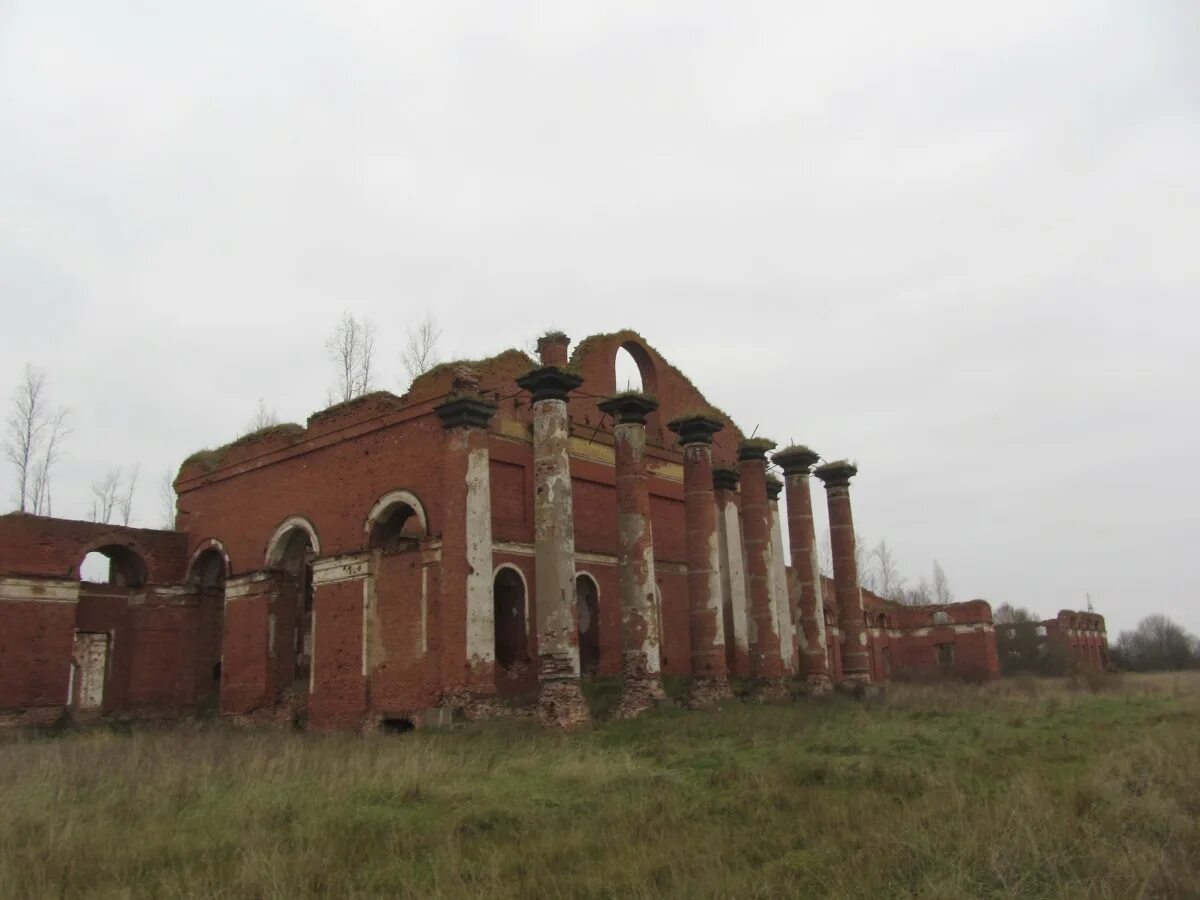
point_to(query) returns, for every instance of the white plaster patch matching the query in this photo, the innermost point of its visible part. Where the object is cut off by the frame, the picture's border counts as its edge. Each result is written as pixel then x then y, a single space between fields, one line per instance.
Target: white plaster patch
pixel 481 625
pixel 38 590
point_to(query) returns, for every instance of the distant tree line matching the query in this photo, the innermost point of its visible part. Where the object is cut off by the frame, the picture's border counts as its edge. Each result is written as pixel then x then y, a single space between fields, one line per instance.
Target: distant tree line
pixel 1157 644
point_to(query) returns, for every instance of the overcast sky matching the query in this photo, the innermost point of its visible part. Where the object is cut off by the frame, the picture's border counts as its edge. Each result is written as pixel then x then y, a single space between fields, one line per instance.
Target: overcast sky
pixel 960 244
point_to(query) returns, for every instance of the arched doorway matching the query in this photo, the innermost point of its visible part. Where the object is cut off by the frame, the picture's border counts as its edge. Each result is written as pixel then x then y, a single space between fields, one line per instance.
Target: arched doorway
pixel 396 524
pixel 207 578
pixel 292 553
pixel 587 617
pixel 511 633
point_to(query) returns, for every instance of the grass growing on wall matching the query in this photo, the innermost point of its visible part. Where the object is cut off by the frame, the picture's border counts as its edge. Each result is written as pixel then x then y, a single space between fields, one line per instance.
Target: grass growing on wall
pixel 1024 788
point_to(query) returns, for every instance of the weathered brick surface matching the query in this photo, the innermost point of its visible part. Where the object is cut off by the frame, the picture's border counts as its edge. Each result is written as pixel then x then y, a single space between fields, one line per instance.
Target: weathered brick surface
pixel 393 642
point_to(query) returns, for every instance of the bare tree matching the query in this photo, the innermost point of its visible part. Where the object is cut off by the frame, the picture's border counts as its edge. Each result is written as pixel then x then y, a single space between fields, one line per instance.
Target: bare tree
pixel 351 346
pixel 921 595
pixel 891 582
pixel 56 430
pixel 166 496
pixel 263 418
pixel 941 585
pixel 104 495
pixel 25 426
pixel 125 501
pixel 420 353
pixel 825 555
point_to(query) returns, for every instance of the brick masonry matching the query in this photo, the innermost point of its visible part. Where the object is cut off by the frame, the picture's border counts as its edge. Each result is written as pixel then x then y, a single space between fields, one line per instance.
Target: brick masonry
pixel 332 574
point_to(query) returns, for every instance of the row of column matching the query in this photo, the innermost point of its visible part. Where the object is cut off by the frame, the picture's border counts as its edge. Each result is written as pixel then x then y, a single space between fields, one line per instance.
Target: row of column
pixel 735 574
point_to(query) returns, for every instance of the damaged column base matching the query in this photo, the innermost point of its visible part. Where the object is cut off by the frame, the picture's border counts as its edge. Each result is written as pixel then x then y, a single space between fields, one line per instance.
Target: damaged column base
pixel 766 690
pixel 561 705
pixel 706 692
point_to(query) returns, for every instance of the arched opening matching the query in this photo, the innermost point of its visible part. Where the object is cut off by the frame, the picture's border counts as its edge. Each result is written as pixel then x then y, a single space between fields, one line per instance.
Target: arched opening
pixel 508 598
pixel 207 578
pixel 396 523
pixel 628 376
pixel 587 617
pixel 113 564
pixel 399 528
pixel 292 553
pixel 941 617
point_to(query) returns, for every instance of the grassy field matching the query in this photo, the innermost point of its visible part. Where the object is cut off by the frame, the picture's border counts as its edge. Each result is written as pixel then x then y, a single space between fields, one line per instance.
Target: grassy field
pixel 1017 789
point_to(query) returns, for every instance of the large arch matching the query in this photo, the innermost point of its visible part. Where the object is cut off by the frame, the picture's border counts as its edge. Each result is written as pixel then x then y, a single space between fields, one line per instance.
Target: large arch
pixel 587 619
pixel 291 552
pixel 208 570
pixel 397 521
pixel 510 601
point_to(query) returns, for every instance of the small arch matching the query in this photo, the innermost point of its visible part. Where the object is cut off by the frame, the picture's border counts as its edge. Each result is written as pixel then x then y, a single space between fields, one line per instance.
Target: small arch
pixel 113 564
pixel 397 521
pixel 883 621
pixel 209 565
pixel 941 617
pixel 277 546
pixel 828 617
pixel 510 602
pixel 587 619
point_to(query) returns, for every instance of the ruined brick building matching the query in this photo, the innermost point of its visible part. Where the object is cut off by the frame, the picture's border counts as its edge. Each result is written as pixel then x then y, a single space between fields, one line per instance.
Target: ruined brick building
pixel 506 527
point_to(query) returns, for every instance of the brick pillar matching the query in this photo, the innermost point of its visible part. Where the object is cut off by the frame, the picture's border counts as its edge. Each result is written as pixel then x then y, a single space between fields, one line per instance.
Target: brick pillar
pixel 640 657
pixel 560 700
pixel 762 634
pixel 778 582
pixel 37 623
pixel 808 610
pixel 855 663
pixel 343 587
pixel 733 571
pixel 552 349
pixel 249 655
pixel 706 622
pixel 468 617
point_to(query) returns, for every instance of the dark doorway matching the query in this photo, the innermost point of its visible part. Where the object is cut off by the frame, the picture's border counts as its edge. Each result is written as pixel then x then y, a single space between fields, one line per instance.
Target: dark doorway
pixel 587 616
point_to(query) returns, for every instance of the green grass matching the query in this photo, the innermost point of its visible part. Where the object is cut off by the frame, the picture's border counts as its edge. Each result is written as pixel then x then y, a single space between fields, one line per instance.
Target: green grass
pixel 1022 789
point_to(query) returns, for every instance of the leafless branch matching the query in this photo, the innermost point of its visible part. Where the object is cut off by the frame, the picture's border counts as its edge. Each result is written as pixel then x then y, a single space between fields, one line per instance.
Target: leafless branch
pixel 420 353
pixel 351 346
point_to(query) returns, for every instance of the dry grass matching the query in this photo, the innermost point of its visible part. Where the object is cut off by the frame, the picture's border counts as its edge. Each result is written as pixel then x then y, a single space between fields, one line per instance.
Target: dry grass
pixel 1026 788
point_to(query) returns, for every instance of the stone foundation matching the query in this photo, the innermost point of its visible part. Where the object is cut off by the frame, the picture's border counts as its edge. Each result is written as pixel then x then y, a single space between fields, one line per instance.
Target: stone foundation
pixel 561 705
pixel 706 692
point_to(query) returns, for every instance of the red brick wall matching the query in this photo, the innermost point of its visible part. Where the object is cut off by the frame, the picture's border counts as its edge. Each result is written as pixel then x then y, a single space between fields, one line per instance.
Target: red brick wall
pixel 36 640
pixel 37 545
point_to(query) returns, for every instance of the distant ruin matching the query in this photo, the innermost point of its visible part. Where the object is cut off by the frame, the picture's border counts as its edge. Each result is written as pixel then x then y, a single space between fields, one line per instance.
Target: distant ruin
pixel 504 529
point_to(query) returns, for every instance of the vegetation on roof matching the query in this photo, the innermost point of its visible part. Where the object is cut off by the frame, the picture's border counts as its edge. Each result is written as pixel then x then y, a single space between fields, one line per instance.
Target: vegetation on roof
pixel 479 365
pixel 554 336
pixel 795 448
pixel 383 396
pixel 759 443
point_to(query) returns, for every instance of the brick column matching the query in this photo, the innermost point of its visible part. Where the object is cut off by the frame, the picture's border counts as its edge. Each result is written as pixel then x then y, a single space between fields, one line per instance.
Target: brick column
pixel 784 626
pixel 342 590
pixel 733 571
pixel 37 620
pixel 855 663
pixel 640 657
pixel 765 664
pixel 249 666
pixel 706 622
pixel 560 700
pixel 467 615
pixel 808 610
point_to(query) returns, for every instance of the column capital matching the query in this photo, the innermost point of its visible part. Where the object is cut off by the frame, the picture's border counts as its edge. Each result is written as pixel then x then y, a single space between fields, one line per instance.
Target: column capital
pixel 774 487
pixel 549 383
pixel 725 479
pixel 465 411
pixel 754 448
pixel 630 407
pixel 796 459
pixel 695 429
pixel 837 473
